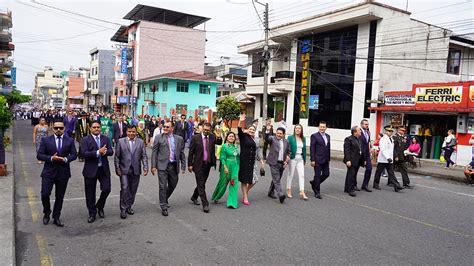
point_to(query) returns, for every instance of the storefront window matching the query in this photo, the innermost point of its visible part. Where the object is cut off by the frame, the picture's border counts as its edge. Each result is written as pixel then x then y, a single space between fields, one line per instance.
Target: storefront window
pixel 330 78
pixel 454 61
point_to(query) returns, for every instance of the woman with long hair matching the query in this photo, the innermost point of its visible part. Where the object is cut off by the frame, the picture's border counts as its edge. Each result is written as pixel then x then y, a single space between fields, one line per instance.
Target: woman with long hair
pixel 249 154
pixel 40 131
pixel 229 172
pixel 298 160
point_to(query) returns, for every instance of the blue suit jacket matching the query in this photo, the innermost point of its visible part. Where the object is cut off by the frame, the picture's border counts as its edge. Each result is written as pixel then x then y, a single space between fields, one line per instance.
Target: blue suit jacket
pixel 69 124
pixel 364 145
pixel 89 152
pixel 320 152
pixel 46 151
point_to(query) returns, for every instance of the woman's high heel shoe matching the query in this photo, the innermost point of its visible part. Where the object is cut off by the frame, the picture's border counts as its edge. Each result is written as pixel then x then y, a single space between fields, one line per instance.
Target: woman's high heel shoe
pixel 288 193
pixel 303 196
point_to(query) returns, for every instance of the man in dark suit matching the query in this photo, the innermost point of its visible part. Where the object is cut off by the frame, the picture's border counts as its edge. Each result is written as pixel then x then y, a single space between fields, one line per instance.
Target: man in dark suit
pixel 130 153
pixel 120 129
pixel 57 151
pixel 201 157
pixel 400 142
pixel 181 127
pixel 366 146
pixel 278 158
pixel 320 153
pixel 353 159
pixel 82 131
pixel 70 124
pixel 95 149
pixel 166 158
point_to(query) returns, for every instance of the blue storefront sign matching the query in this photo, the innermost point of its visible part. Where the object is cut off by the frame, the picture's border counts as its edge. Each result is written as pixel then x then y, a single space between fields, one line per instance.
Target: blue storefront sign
pixel 314 102
pixel 124 62
pixel 13 75
pixel 124 100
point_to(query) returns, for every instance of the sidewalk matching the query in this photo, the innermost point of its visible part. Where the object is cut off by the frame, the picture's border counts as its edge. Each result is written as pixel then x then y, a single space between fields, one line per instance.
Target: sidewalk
pixel 7 221
pixel 431 168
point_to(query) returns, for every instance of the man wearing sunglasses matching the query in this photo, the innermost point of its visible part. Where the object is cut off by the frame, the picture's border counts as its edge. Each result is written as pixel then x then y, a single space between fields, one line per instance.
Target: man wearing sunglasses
pixel 95 150
pixel 57 151
pixel 166 158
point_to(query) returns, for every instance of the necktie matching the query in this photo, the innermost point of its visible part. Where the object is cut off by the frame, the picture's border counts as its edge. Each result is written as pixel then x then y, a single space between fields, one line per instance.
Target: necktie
pixel 120 126
pixel 97 140
pixel 171 149
pixel 59 144
pixel 132 145
pixel 205 143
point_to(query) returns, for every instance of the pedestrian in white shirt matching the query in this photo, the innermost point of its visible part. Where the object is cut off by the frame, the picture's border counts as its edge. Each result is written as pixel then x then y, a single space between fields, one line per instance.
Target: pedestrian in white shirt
pixel 385 160
pixel 448 146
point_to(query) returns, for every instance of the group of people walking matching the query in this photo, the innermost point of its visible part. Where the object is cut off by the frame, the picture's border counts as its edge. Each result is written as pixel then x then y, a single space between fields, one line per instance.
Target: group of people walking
pixel 237 163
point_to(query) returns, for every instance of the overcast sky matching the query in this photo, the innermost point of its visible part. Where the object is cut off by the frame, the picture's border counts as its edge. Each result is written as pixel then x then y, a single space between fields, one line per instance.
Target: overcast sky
pixel 45 37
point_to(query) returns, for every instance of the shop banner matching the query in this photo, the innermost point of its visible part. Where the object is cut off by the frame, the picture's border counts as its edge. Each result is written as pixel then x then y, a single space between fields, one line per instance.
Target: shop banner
pixel 305 77
pixel 314 102
pixel 124 61
pixel 439 95
pixel 400 99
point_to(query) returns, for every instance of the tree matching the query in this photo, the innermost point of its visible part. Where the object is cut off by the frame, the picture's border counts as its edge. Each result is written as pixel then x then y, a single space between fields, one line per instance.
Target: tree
pixel 15 97
pixel 229 109
pixel 5 123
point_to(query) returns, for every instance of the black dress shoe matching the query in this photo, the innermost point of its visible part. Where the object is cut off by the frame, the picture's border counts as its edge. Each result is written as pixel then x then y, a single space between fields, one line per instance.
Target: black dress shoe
pixel 164 212
pixel 123 214
pixel 352 193
pixel 46 219
pixel 91 219
pixel 101 213
pixel 206 208
pixel 130 211
pixel 318 196
pixel 366 189
pixel 195 202
pixel 408 186
pixel 356 188
pixel 377 187
pixel 58 222
pixel 282 198
pixel 397 188
pixel 271 195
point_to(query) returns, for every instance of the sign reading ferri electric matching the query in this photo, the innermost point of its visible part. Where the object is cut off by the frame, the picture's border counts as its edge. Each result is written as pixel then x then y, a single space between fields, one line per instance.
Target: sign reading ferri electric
pixel 305 78
pixel 439 95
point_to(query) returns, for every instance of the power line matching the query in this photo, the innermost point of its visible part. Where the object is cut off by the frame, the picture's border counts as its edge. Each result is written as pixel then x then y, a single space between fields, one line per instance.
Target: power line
pixel 65 38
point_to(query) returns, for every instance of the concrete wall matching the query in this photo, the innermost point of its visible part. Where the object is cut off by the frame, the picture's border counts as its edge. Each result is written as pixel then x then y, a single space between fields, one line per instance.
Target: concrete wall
pixel 106 70
pixel 76 86
pixel 165 49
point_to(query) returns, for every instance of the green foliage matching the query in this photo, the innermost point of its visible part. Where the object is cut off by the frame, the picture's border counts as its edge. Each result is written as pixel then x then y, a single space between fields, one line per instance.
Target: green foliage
pixel 228 109
pixel 5 114
pixel 15 97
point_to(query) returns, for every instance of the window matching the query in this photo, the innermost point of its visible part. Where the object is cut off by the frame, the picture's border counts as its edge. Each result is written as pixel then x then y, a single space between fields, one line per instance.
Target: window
pixel 257 65
pixel 182 87
pixel 165 86
pixel 204 89
pixel 454 61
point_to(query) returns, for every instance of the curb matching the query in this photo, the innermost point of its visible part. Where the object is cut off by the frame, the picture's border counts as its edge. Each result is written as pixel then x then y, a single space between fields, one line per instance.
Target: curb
pixel 7 198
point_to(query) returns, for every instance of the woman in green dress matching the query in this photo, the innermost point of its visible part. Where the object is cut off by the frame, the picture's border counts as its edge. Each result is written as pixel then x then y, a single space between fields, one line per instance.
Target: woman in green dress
pixel 229 175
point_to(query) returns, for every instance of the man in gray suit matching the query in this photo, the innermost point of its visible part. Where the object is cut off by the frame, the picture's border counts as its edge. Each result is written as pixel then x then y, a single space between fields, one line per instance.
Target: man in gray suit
pixel 278 158
pixel 130 153
pixel 166 158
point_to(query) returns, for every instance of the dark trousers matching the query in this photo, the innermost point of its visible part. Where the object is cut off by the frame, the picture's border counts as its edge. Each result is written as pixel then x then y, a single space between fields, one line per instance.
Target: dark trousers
pixel 321 173
pixel 391 175
pixel 46 189
pixel 265 147
pixel 447 157
pixel 402 168
pixel 202 175
pixel 351 179
pixel 128 189
pixel 368 171
pixel 91 184
pixel 277 172
pixel 167 179
pixel 79 152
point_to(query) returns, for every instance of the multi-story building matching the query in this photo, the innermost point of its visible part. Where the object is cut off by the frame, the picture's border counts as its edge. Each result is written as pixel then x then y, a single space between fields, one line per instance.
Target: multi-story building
pixel 158 41
pixel 7 71
pixel 97 96
pixel 233 76
pixel 48 91
pixel 75 86
pixel 180 92
pixel 336 67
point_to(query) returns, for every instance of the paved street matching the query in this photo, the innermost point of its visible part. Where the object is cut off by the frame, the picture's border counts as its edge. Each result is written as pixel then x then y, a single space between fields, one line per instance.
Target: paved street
pixel 431 224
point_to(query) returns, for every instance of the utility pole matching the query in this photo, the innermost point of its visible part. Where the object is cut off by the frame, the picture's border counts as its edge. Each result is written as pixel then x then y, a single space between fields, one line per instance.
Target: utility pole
pixel 266 57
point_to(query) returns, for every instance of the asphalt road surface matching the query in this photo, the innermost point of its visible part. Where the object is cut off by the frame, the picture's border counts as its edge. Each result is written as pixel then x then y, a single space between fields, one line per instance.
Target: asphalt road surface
pixel 431 224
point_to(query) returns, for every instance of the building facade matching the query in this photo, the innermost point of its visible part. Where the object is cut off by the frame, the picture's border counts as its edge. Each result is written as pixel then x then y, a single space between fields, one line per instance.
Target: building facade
pixel 99 90
pixel 75 86
pixel 7 70
pixel 334 66
pixel 48 92
pixel 158 41
pixel 181 92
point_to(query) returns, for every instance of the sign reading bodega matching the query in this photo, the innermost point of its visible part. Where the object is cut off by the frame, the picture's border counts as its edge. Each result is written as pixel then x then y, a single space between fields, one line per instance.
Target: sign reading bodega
pixel 443 95
pixel 305 78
